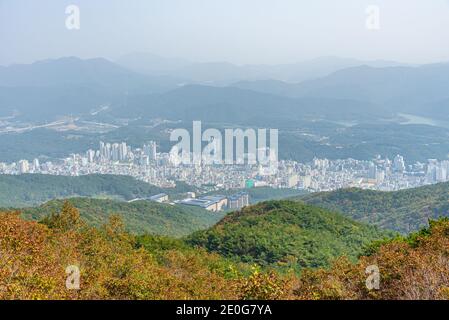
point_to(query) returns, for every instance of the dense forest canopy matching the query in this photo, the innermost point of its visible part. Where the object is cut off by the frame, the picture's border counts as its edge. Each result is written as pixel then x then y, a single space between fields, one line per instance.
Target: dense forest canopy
pixel 404 211
pixel 286 234
pixel 139 217
pixel 33 189
pixel 44 260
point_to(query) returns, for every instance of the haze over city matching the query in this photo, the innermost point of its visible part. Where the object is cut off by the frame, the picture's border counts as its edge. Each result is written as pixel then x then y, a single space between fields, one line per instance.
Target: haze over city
pixel 239 32
pixel 224 150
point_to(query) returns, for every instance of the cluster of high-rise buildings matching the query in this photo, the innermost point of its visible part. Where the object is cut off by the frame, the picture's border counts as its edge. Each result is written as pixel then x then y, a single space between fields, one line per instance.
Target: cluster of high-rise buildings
pixel 122 152
pixel 160 169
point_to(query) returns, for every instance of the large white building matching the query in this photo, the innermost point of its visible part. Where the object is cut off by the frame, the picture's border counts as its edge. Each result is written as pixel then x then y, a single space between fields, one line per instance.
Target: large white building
pixel 24 166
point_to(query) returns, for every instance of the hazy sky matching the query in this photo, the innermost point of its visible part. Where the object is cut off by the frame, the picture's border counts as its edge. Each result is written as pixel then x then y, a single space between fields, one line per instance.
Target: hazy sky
pixel 238 31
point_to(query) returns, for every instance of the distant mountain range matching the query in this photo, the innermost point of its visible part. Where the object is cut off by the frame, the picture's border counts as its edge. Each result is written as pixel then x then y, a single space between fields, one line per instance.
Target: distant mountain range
pixel 225 73
pixel 398 89
pixel 239 106
pixel 355 112
pixel 52 88
pixel 71 71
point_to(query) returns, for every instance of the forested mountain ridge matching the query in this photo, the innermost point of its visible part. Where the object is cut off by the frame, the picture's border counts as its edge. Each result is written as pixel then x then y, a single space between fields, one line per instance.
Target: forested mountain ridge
pixel 111 263
pixel 33 189
pixel 139 217
pixel 409 268
pixel 404 211
pixel 114 264
pixel 286 234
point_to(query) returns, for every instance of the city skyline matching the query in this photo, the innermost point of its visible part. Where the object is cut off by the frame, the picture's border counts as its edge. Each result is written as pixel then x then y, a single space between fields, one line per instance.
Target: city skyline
pixel 230 152
pixel 162 170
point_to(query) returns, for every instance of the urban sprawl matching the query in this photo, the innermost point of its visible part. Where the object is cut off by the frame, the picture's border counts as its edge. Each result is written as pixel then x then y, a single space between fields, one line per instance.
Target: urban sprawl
pixel 164 169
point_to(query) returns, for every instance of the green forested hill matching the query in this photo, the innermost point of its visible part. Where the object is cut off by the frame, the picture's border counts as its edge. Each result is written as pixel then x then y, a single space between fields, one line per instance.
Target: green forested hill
pixel 33 189
pixel 122 266
pixel 403 211
pixel 286 234
pixel 139 217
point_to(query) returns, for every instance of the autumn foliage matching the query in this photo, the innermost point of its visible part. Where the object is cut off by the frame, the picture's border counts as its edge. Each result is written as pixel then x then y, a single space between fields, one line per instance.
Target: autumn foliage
pixel 34 258
pixel 113 264
pixel 412 268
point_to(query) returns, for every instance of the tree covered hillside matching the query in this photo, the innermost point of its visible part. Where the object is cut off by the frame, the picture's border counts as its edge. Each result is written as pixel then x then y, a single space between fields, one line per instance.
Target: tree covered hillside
pixel 286 234
pixel 415 267
pixel 404 211
pixel 113 264
pixel 33 189
pixel 138 217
